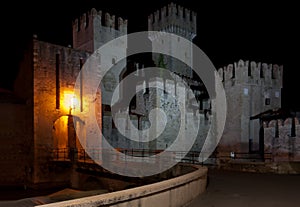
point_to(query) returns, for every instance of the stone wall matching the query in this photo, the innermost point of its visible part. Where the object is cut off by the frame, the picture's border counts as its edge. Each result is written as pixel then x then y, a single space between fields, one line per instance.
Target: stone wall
pixel 180 21
pixel 15 144
pixel 16 127
pixel 55 69
pixel 175 114
pixel 92 31
pixel 174 19
pixel 251 88
pixel 175 192
pixel 46 82
pixel 50 73
pixel 282 140
pixel 95 28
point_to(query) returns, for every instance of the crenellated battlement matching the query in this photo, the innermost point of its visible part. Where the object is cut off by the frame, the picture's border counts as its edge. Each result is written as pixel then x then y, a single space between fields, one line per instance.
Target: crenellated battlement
pixel 86 21
pixel 281 138
pixel 94 28
pixel 174 19
pixel 250 72
pixel 288 122
pixel 282 128
pixel 174 87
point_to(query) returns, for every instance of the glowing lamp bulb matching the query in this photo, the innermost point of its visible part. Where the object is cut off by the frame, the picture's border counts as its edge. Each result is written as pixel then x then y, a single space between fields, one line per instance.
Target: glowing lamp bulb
pixel 73 102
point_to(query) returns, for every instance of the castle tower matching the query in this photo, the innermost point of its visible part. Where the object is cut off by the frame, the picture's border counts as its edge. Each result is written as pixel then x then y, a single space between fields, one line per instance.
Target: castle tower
pixel 251 88
pixel 91 31
pixel 180 21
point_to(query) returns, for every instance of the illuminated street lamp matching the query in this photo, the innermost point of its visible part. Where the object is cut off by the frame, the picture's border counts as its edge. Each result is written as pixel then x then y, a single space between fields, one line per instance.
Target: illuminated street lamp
pixel 69 101
pixel 73 103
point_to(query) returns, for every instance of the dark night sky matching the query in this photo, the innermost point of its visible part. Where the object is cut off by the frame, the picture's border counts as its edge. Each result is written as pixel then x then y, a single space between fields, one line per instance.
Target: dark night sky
pixel 226 32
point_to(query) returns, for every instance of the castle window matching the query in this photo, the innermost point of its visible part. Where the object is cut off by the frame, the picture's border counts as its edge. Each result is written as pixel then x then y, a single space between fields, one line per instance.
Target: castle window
pixel 78 26
pixel 267 101
pixel 274 74
pixel 206 114
pixel 57 84
pixel 261 73
pixel 146 88
pixel 106 107
pixel 132 105
pixel 81 85
pixel 201 104
pixel 87 21
pixel 223 77
pixel 249 70
pixel 293 128
pixel 276 129
pixel 113 125
pixel 113 61
pixel 233 72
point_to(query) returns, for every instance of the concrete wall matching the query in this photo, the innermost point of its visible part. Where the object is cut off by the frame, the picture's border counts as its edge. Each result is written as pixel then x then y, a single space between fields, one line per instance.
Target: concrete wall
pixel 175 192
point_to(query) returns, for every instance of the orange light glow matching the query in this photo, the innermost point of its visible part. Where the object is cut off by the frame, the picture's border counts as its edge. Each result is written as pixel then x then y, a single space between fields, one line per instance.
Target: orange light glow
pixel 69 101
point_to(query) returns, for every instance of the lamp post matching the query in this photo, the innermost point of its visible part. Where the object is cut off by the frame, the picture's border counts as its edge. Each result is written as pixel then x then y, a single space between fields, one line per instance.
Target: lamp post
pixel 71 130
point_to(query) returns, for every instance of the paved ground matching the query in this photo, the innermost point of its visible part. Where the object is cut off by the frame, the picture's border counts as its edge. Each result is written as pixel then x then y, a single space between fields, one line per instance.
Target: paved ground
pixel 65 194
pixel 232 189
pixel 225 189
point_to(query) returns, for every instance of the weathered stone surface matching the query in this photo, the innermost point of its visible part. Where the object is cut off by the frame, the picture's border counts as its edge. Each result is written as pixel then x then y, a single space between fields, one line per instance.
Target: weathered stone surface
pixel 175 192
pixel 247 86
pixel 285 147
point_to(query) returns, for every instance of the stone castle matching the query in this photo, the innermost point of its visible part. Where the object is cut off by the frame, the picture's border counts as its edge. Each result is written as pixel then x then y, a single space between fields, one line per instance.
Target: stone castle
pixel 251 88
pixel 39 116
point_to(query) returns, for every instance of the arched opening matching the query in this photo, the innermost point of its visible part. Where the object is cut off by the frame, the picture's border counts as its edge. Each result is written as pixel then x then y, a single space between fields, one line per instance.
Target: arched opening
pixel 66 144
pixel 60 138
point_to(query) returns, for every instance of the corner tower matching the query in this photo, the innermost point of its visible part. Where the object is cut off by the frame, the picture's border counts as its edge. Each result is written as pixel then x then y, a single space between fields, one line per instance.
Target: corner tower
pixel 251 88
